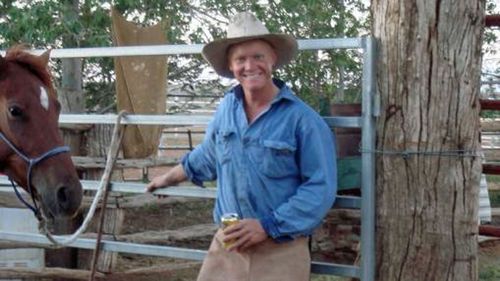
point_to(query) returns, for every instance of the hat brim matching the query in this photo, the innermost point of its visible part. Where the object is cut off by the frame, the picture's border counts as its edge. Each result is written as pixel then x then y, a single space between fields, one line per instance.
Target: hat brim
pixel 215 52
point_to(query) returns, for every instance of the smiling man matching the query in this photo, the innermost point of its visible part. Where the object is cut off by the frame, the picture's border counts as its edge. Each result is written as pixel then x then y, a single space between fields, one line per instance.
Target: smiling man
pixel 273 158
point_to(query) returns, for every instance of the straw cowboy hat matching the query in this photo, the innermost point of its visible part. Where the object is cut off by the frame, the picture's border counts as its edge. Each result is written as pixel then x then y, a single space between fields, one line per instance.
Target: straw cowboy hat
pixel 244 27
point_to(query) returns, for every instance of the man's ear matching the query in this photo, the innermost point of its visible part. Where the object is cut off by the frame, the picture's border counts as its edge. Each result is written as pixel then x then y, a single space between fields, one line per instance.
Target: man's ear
pixel 228 60
pixel 275 58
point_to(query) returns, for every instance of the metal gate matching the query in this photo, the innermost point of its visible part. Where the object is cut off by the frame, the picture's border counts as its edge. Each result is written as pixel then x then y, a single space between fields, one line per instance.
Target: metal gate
pixel 370 110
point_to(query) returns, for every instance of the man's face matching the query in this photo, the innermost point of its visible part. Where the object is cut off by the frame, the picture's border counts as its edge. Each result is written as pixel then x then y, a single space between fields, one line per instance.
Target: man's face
pixel 252 64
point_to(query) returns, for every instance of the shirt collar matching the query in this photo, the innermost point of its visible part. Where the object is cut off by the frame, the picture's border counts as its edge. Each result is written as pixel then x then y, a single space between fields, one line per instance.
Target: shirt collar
pixel 284 93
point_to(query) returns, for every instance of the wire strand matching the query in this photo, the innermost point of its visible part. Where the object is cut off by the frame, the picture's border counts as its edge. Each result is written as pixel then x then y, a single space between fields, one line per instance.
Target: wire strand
pixel 408 153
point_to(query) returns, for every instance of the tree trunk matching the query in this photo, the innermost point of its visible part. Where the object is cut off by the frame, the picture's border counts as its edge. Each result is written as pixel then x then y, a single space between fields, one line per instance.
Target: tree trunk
pixel 70 95
pixel 428 81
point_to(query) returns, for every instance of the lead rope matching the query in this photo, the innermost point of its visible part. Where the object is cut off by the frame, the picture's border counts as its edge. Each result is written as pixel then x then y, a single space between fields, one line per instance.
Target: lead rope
pixel 97 249
pixel 110 161
pixel 104 202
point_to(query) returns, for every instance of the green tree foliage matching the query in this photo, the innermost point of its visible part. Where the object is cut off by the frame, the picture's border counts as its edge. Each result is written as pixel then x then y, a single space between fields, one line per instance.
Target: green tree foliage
pixel 317 76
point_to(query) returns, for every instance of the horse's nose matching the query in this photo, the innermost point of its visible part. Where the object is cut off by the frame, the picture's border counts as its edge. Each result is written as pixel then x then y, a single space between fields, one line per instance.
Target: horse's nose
pixel 63 197
pixel 66 199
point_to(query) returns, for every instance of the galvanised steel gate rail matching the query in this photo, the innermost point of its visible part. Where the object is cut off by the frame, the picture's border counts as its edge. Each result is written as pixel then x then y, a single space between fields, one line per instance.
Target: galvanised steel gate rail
pixel 365 271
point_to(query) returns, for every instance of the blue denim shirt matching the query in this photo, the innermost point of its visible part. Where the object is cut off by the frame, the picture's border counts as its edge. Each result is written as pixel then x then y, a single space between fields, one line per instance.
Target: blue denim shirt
pixel 280 169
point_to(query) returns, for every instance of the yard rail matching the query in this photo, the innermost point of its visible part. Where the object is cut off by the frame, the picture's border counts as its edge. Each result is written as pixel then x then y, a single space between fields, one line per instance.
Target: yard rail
pixel 366 269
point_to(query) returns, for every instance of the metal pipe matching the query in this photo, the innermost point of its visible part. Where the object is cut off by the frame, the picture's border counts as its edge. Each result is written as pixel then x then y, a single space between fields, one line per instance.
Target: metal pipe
pixel 182 49
pixel 368 163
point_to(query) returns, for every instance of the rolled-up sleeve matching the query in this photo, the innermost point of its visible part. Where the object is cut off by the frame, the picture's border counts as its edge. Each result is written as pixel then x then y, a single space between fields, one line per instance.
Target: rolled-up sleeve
pixel 200 164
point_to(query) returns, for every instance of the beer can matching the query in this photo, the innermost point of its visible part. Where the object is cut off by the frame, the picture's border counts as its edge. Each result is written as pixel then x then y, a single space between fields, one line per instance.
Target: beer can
pixel 227 220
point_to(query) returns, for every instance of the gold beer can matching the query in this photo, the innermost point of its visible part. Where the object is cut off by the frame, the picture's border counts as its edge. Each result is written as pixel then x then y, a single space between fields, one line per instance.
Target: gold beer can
pixel 227 220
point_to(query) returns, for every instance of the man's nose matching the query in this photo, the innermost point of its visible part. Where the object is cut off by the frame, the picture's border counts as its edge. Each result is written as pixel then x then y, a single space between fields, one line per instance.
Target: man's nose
pixel 249 63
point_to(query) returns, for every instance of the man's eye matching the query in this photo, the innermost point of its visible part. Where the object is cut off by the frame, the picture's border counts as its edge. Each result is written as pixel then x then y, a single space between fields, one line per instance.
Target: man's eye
pixel 259 57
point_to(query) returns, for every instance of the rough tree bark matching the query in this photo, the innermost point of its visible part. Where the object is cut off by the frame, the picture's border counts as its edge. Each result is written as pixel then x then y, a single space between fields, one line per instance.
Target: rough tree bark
pixel 428 80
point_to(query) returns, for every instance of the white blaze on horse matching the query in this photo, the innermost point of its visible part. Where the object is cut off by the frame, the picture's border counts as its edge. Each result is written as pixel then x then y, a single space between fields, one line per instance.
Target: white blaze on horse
pixel 31 148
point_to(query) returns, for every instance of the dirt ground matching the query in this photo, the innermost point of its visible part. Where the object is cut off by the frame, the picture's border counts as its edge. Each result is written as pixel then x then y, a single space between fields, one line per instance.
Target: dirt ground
pixel 148 214
pixel 163 215
pixel 489 260
pixel 178 213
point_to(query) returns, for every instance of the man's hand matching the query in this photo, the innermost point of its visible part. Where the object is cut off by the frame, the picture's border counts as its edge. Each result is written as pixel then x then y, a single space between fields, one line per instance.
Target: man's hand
pixel 172 177
pixel 246 233
pixel 157 183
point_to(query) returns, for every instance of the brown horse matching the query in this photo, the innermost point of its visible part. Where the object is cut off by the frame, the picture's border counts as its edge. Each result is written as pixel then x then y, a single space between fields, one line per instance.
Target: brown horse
pixel 31 151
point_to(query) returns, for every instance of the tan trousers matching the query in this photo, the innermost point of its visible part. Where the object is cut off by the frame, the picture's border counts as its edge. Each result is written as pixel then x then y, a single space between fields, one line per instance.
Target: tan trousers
pixel 267 261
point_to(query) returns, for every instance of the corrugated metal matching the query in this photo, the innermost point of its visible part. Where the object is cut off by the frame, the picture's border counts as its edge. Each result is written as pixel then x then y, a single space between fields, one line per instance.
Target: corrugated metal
pixel 484 201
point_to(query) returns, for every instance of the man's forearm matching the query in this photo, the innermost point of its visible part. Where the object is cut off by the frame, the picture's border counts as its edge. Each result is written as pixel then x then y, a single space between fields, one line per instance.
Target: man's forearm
pixel 176 175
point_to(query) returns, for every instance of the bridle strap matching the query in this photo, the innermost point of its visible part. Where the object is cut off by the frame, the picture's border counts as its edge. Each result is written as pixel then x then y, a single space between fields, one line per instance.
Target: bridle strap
pixel 31 163
pixel 33 208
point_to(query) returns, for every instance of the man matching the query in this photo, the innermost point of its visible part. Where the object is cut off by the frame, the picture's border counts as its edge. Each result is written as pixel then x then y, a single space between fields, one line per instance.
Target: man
pixel 273 158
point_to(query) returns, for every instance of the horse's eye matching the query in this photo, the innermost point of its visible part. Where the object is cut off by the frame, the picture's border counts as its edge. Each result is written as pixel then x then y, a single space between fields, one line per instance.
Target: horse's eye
pixel 15 111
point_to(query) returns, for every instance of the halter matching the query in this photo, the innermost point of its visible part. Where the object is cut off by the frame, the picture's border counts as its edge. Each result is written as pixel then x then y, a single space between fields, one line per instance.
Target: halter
pixel 31 162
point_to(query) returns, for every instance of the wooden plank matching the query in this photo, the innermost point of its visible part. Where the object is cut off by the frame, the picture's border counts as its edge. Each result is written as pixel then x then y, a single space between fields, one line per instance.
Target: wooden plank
pixel 201 233
pixel 491 154
pixel 489 104
pixel 163 272
pixel 10 200
pixel 47 272
pixel 100 162
pixel 493 186
pixel 492 20
pixel 76 127
pixel 489 230
pixel 490 125
pixel 5 245
pixel 113 224
pixel 491 169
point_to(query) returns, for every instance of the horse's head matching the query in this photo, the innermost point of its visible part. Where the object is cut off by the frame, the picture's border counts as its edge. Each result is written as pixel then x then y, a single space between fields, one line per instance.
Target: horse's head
pixel 29 113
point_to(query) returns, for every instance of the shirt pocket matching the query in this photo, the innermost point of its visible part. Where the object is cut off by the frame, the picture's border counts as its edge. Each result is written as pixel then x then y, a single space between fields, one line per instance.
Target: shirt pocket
pixel 278 159
pixel 223 145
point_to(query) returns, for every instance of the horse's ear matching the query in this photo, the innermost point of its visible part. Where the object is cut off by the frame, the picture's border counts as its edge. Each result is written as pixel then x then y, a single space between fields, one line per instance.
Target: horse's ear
pixel 44 58
pixel 3 65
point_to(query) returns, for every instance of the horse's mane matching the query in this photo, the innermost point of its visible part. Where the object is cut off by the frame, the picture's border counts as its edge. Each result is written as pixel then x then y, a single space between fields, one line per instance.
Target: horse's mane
pixel 36 64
